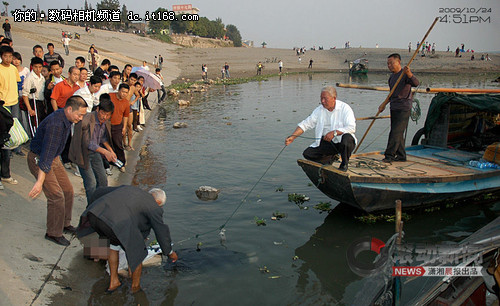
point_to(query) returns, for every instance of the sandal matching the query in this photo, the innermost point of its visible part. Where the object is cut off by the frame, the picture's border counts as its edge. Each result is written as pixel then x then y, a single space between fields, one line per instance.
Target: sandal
pixel 10 180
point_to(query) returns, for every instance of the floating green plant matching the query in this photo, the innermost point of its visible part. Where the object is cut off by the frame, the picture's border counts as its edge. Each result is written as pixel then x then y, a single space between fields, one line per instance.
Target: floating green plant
pixel 259 221
pixel 370 219
pixel 279 215
pixel 297 198
pixel 323 206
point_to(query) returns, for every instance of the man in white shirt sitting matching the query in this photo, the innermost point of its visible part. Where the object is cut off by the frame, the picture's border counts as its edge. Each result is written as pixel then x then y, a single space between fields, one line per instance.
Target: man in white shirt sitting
pixel 334 124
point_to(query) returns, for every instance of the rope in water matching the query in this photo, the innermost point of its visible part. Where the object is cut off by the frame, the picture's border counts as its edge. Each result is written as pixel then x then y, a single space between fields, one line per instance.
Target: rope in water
pixel 246 196
pixel 238 207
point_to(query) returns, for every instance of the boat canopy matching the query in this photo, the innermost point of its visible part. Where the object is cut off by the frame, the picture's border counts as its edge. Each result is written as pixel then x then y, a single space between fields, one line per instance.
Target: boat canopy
pixel 480 102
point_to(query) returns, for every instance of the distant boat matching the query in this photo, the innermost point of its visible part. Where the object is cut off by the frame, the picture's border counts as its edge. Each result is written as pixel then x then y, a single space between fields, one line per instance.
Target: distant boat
pixel 457 129
pixel 358 66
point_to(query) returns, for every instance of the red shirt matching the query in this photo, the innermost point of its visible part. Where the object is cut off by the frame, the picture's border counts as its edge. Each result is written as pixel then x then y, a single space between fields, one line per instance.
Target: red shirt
pixel 122 109
pixel 62 91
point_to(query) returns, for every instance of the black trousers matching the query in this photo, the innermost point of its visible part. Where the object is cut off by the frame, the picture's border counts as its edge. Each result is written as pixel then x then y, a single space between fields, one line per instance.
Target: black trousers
pixel 65 152
pixel 117 137
pixel 102 229
pixel 145 102
pixel 163 92
pixel 41 113
pixel 4 163
pixel 105 162
pixel 329 149
pixel 396 143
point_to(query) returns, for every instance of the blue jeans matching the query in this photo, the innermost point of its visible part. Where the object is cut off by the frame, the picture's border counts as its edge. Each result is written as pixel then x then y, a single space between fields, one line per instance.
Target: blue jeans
pixel 95 176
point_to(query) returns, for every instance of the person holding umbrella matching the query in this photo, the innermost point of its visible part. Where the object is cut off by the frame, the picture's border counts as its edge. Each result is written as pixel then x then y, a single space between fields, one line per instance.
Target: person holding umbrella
pixel 151 80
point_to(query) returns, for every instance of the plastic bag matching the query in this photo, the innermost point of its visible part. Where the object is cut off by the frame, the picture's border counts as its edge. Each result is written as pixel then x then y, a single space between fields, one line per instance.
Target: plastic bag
pixel 17 134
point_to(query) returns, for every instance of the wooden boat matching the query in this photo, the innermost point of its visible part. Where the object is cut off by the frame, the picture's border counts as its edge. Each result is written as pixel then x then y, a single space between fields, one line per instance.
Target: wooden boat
pixel 457 129
pixel 478 250
pixel 358 66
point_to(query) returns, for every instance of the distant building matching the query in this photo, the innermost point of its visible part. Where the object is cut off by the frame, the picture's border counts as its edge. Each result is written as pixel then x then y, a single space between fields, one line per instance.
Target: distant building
pixel 139 26
pixel 247 43
pixel 185 9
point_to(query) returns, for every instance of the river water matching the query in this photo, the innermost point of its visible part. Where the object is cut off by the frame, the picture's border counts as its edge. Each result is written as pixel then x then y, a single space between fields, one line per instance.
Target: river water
pixel 234 133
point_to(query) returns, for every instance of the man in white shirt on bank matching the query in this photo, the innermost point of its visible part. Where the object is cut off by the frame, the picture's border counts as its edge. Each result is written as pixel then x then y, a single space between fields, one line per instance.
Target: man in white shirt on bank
pixel 91 93
pixel 145 65
pixel 113 84
pixel 33 94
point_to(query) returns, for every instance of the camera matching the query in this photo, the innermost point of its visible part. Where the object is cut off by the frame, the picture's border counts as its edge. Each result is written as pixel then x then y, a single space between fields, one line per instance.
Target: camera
pixel 118 163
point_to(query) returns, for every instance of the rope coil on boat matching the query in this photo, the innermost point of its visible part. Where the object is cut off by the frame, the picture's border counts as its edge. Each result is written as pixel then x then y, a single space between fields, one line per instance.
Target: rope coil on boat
pixel 321 176
pixel 416 111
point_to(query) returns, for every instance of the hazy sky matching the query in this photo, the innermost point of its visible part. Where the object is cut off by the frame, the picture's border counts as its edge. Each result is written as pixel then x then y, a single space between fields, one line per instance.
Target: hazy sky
pixel 329 23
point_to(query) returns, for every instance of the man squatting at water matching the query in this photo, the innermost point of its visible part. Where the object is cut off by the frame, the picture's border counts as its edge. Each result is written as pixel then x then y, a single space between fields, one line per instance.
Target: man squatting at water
pixel 334 124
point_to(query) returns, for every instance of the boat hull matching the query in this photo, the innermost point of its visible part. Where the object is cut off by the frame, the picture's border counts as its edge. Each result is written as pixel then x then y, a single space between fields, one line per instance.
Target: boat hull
pixel 373 197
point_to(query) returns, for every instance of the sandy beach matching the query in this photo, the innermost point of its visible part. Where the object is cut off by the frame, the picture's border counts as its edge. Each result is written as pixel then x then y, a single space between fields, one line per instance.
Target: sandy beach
pixel 242 61
pixel 26 258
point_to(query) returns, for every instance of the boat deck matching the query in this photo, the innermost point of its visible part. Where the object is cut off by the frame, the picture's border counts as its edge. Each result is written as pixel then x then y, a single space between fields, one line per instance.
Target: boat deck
pixel 423 165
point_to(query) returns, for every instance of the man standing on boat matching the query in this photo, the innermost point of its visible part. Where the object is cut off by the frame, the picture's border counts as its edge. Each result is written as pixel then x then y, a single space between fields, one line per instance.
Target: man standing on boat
pixel 334 124
pixel 401 101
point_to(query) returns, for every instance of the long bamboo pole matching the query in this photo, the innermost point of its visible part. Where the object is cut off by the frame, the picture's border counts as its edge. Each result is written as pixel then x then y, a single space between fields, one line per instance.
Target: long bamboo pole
pixel 465 90
pixel 373 117
pixel 377 88
pixel 397 83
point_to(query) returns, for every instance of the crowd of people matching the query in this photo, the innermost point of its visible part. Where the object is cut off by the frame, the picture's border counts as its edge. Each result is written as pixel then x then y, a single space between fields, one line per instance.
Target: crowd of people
pixel 83 119
pixel 428 48
pixel 43 88
pixel 32 94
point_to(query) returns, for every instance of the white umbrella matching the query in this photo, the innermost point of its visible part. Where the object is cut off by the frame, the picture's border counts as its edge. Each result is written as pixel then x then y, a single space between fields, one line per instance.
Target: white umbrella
pixel 150 79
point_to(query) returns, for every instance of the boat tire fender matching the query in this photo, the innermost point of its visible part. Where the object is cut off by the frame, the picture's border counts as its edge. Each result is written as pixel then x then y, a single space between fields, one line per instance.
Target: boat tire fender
pixel 416 138
pixel 372 244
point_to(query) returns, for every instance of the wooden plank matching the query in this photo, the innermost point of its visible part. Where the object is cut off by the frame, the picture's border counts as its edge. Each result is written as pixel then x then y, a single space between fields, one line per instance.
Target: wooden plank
pixel 432 171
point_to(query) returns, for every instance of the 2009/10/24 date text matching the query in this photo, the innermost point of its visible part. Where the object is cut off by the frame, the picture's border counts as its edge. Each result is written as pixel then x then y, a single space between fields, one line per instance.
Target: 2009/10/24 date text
pixel 465 15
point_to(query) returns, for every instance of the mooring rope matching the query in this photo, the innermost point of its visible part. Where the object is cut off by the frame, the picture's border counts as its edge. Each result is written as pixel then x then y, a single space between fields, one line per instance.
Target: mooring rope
pixel 238 207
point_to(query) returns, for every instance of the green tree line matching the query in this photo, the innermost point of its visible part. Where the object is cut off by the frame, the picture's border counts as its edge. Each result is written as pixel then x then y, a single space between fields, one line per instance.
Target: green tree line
pixel 202 27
